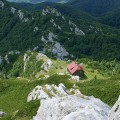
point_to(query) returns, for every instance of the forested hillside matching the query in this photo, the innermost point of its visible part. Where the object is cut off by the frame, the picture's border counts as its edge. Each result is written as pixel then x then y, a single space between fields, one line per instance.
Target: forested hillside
pixel 21 30
pixel 111 18
pixel 96 7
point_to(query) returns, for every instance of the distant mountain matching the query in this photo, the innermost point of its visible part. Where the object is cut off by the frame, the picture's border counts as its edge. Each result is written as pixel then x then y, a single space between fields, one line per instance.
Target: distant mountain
pixel 93 7
pixel 39 1
pixel 111 18
pixel 96 7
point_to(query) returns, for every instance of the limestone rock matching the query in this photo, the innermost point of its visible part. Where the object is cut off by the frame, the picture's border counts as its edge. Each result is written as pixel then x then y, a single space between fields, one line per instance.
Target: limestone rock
pixel 2 4
pixel 13 10
pixel 51 36
pixel 73 26
pixel 40 93
pixel 59 51
pixel 56 103
pixel 37 93
pixel 50 10
pixel 115 111
pixel 6 58
pixel 41 56
pixel 20 14
pixel 36 29
pixel 72 107
pixel 47 65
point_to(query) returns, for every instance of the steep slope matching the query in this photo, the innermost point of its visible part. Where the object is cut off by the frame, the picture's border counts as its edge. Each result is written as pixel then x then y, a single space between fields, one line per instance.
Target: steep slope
pixel 55 34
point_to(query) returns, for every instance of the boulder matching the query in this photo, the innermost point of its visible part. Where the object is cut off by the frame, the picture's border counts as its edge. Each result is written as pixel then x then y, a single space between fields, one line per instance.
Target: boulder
pixel 75 78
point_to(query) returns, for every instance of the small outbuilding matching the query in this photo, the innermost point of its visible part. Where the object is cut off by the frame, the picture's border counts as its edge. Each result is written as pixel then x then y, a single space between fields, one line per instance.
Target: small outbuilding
pixel 75 69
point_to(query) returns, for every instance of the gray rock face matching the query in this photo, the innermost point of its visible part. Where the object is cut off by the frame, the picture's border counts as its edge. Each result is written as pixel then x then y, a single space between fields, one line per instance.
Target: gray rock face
pixel 72 107
pixel 20 14
pixel 115 111
pixel 61 105
pixel 50 10
pixel 13 10
pixel 59 51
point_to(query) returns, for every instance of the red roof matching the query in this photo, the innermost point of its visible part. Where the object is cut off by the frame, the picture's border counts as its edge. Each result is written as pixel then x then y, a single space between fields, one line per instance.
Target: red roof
pixel 73 67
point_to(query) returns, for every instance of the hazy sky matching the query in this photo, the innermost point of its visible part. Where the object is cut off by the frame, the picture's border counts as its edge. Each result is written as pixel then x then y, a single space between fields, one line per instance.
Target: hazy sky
pixel 60 1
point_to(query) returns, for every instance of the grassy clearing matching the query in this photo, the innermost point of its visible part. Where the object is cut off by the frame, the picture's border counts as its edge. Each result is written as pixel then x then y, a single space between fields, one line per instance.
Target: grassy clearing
pixel 58 66
pixel 14 92
pixel 13 98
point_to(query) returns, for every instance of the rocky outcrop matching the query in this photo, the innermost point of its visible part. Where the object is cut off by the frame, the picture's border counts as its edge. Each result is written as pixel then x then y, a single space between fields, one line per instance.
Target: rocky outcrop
pixel 51 36
pixel 41 56
pixel 115 111
pixel 74 27
pixel 72 108
pixel 50 10
pixel 26 59
pixel 22 16
pixel 6 59
pixel 36 29
pixel 47 65
pixel 59 51
pixel 37 93
pixel 47 91
pixel 1 4
pixel 13 10
pixel 57 103
pixel 55 25
pixel 55 48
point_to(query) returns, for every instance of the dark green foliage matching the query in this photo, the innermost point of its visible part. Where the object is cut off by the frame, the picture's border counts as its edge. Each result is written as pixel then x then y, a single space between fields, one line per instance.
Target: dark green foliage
pixel 13 99
pixel 29 109
pixel 18 35
pixel 107 90
pixel 57 79
pixel 106 68
pixel 96 7
pixel 112 18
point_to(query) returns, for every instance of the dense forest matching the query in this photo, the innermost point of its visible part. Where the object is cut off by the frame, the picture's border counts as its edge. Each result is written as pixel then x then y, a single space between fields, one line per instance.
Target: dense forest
pixel 99 42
